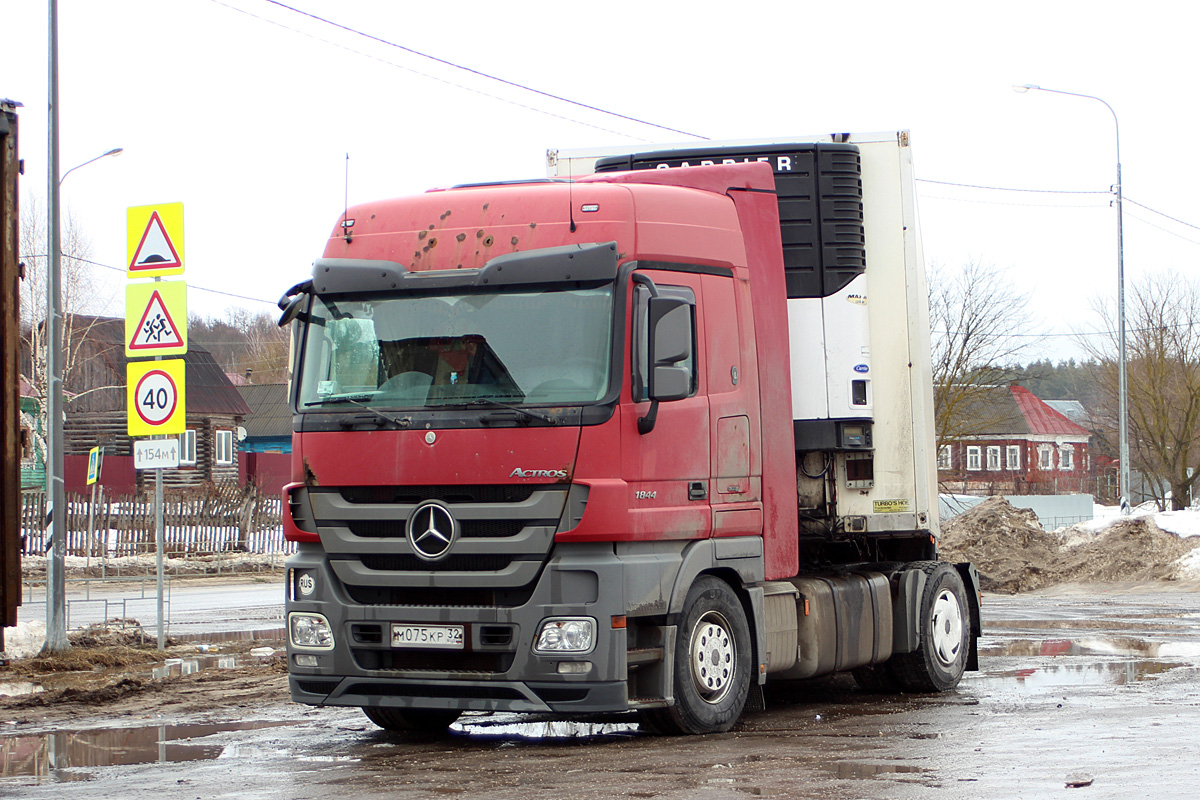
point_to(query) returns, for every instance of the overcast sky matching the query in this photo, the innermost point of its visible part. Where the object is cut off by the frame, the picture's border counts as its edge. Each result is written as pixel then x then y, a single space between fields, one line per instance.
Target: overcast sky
pixel 245 110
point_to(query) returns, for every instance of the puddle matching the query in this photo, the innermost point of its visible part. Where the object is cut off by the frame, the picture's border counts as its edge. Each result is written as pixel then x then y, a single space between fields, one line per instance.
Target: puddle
pixel 1119 673
pixel 851 770
pixel 46 756
pixel 1092 646
pixel 1125 661
pixel 544 732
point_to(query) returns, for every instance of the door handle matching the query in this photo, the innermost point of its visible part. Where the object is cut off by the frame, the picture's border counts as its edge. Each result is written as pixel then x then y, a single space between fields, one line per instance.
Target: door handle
pixel 697 491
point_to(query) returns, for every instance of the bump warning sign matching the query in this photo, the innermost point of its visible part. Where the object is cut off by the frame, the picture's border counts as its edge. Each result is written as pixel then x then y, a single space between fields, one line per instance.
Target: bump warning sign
pixel 154 240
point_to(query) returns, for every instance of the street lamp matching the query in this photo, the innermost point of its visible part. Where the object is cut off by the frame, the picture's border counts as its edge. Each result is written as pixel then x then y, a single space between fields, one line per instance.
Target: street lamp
pixel 1122 380
pixel 56 621
pixel 116 151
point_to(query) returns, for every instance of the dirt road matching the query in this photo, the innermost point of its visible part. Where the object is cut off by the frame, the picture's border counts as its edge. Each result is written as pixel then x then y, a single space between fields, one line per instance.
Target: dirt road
pixel 1091 685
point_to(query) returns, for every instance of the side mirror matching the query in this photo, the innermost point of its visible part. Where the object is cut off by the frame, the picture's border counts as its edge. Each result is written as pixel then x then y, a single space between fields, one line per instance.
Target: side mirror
pixel 293 301
pixel 671 335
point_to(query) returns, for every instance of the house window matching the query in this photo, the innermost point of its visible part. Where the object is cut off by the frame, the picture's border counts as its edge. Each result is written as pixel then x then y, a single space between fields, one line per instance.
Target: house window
pixel 187 447
pixel 1045 456
pixel 993 456
pixel 1066 456
pixel 973 458
pixel 944 461
pixel 1014 457
pixel 223 447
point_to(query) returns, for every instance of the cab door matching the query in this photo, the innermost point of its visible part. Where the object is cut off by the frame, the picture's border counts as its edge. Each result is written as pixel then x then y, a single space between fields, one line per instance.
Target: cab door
pixel 668 466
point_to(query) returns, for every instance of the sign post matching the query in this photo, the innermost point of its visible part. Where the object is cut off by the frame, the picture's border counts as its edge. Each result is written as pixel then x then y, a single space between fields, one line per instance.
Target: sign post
pixel 155 390
pixel 95 460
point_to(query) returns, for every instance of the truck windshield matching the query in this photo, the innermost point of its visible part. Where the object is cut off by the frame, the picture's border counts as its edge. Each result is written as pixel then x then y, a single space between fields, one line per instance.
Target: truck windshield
pixel 535 346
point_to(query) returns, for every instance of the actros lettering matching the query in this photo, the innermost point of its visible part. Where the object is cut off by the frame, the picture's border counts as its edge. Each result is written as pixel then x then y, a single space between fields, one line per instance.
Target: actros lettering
pixel 782 163
pixel 538 473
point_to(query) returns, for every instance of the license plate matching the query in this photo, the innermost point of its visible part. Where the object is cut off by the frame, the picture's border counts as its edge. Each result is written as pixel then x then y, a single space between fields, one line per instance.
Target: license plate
pixel 447 637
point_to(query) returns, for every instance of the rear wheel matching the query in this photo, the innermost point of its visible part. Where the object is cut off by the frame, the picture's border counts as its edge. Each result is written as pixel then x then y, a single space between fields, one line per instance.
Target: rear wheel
pixel 411 719
pixel 712 663
pixel 938 662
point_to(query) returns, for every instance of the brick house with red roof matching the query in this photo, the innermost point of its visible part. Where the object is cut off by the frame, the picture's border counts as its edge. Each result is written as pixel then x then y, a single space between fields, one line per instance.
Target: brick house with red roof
pixel 1023 447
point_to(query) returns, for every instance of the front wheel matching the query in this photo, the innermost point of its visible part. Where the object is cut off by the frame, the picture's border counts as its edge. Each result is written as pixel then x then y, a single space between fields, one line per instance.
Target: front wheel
pixel 411 719
pixel 944 643
pixel 712 663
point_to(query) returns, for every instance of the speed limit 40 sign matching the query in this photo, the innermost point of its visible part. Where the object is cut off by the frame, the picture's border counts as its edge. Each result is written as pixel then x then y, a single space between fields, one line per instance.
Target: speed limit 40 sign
pixel 155 397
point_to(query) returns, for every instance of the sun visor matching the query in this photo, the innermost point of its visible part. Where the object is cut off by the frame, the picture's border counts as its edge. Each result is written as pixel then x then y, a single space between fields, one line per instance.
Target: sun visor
pixel 575 263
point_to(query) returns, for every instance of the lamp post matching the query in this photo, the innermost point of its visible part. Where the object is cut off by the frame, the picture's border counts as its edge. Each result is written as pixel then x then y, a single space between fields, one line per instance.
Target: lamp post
pixel 1122 379
pixel 56 625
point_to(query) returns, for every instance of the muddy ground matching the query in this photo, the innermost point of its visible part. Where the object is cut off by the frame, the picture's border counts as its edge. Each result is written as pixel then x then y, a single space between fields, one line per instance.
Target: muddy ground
pixel 1079 671
pixel 111 670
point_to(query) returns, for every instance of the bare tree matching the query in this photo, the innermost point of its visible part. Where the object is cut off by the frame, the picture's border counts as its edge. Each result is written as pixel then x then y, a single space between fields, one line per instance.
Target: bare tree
pixel 245 342
pixel 81 294
pixel 1162 346
pixel 974 314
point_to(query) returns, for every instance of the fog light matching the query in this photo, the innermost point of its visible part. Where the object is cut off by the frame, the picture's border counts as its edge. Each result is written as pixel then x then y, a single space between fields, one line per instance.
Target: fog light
pixel 310 631
pixel 306 660
pixel 566 635
pixel 571 667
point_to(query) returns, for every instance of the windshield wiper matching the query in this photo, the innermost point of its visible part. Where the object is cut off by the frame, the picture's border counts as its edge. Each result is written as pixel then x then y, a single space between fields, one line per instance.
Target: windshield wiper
pixel 501 404
pixel 358 401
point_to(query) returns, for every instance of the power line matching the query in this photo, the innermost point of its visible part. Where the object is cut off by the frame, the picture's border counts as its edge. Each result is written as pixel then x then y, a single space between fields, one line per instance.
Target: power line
pixel 1011 189
pixel 1161 214
pixel 455 66
pixel 190 285
pixel 997 203
pixel 480 73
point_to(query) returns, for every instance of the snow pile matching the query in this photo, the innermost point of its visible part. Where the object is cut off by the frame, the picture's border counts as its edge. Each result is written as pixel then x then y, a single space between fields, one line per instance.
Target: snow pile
pixel 25 640
pixel 1013 553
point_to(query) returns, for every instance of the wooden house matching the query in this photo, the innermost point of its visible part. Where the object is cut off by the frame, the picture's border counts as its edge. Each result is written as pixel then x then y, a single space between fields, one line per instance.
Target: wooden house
pixel 96 410
pixel 1021 446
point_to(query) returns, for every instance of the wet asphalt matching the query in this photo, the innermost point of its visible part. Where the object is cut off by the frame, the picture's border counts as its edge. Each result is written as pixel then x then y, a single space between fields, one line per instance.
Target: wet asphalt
pixel 1080 695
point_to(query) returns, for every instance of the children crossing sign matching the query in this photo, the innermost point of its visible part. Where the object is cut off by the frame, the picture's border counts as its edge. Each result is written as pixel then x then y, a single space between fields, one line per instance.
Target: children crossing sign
pixel 155 397
pixel 151 314
pixel 154 240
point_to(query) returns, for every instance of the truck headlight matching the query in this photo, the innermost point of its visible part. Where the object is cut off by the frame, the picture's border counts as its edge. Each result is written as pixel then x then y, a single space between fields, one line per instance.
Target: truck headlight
pixel 566 635
pixel 310 631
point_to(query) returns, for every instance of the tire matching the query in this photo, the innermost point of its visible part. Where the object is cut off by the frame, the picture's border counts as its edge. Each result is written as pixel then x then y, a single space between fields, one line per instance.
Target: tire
pixel 409 720
pixel 944 642
pixel 712 663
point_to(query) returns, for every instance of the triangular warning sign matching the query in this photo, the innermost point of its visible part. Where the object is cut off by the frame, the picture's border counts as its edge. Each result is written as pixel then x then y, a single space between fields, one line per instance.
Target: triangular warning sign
pixel 155 251
pixel 156 330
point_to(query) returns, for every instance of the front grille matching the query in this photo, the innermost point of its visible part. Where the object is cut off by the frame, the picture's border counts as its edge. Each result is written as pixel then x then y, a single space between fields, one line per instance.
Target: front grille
pixel 485 493
pixel 400 562
pixel 433 660
pixel 450 597
pixel 468 528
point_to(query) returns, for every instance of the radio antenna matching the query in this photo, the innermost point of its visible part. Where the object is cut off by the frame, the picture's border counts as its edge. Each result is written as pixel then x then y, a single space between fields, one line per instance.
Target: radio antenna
pixel 571 192
pixel 347 223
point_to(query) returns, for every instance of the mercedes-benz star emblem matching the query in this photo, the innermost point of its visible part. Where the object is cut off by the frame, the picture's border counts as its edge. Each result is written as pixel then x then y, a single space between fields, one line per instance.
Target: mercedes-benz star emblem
pixel 432 529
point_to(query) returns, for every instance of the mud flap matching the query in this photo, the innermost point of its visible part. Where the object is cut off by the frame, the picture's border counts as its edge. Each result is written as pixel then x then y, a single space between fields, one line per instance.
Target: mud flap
pixel 970 579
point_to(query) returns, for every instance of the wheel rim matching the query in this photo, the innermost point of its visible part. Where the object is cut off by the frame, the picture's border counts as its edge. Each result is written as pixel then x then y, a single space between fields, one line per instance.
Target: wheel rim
pixel 714 657
pixel 946 624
